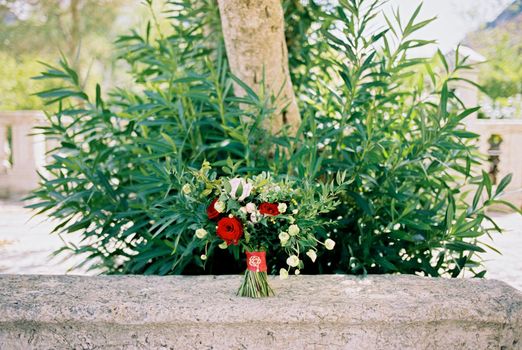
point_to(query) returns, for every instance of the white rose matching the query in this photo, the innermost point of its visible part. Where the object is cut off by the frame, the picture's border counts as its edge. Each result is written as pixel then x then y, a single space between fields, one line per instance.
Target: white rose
pixel 297 272
pixel 283 274
pixel 253 218
pixel 293 230
pixel 284 237
pixel 281 207
pixel 329 244
pixel 312 255
pixel 295 211
pixel 292 260
pixel 186 189
pixel 250 208
pixel 234 184
pixel 203 257
pixel 219 206
pixel 201 233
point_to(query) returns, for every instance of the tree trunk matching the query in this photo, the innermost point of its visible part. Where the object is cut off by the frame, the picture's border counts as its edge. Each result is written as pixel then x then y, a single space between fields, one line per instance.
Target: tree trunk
pixel 255 42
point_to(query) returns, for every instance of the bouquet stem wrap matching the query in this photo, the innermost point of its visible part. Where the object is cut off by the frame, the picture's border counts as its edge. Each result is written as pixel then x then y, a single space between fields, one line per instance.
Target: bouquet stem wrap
pixel 255 283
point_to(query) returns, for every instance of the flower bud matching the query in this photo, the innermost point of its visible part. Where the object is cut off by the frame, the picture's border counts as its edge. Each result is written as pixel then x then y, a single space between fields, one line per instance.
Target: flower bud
pixel 284 237
pixel 312 255
pixel 292 260
pixel 282 207
pixel 201 233
pixel 293 230
pixel 219 206
pixel 250 208
pixel 329 244
pixel 186 189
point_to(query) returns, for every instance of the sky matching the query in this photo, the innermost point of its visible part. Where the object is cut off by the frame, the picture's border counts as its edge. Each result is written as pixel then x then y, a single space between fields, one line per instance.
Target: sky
pixel 455 18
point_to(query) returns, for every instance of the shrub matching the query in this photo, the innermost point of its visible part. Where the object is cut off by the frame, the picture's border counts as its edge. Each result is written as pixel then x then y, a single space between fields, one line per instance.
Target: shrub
pixel 390 121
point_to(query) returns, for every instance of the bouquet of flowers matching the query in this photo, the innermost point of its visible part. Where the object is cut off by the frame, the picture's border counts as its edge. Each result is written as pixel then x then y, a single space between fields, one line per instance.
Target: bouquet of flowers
pixel 263 215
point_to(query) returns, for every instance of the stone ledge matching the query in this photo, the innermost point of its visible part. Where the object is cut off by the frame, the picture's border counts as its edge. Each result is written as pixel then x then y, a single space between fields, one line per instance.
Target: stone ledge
pixel 310 312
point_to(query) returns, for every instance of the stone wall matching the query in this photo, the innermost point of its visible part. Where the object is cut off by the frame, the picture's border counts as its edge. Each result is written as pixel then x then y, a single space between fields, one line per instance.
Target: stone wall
pixel 309 312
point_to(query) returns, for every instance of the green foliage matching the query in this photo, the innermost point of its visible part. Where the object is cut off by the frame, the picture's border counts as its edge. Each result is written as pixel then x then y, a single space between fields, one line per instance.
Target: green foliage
pixel 391 122
pixel 501 75
pixel 15 84
pixel 39 30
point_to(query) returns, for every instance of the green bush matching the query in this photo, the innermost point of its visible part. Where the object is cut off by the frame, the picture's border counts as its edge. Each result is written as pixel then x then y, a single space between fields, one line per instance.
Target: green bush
pixel 390 121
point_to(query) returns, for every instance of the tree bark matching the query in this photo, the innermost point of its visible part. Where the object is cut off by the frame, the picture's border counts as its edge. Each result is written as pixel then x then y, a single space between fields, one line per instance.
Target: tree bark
pixel 255 43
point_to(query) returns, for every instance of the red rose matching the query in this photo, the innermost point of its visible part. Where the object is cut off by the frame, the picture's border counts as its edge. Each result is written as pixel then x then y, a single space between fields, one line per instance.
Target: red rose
pixel 212 213
pixel 230 230
pixel 269 209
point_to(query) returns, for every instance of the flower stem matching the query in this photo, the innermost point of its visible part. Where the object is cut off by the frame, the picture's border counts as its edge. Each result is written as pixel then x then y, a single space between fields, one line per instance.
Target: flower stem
pixel 255 285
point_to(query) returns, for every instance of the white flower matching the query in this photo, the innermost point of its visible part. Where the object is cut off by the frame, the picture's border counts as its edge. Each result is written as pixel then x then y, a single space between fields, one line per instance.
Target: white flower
pixel 201 233
pixel 295 211
pixel 292 260
pixel 293 230
pixel 223 245
pixel 234 184
pixel 253 217
pixel 297 272
pixel 281 207
pixel 186 189
pixel 329 244
pixel 219 206
pixel 250 208
pixel 283 274
pixel 243 210
pixel 312 255
pixel 396 226
pixel 284 237
pixel 291 219
pixel 203 257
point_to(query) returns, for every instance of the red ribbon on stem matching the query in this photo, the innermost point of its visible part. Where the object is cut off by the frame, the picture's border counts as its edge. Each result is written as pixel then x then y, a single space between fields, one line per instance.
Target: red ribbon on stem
pixel 256 261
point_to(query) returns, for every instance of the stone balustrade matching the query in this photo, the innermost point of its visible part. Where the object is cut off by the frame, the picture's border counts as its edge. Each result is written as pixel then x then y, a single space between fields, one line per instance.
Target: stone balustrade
pixel 21 153
pixel 507 159
pixel 308 312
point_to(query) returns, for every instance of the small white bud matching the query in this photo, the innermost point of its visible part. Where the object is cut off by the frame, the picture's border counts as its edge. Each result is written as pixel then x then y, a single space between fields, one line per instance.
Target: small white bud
pixel 201 233
pixel 312 255
pixel 219 206
pixel 281 207
pixel 186 189
pixel 293 230
pixel 250 208
pixel 284 237
pixel 292 260
pixel 329 244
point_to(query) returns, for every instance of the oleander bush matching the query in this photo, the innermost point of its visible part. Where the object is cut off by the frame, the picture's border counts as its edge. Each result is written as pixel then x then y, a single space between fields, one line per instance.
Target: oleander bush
pixel 412 202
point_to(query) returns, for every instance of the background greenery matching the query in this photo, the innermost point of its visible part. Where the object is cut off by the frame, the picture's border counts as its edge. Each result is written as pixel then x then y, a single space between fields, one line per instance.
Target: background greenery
pixel 500 41
pixel 413 205
pixel 39 30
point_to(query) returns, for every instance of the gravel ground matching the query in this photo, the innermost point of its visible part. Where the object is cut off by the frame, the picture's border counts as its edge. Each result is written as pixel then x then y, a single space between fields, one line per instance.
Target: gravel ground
pixel 26 246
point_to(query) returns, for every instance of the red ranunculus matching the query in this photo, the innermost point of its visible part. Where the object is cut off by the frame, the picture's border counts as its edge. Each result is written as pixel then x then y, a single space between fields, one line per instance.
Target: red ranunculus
pixel 230 230
pixel 212 213
pixel 269 209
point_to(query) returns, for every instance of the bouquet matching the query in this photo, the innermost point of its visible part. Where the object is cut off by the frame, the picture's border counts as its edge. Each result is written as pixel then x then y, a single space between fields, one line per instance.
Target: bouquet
pixel 263 215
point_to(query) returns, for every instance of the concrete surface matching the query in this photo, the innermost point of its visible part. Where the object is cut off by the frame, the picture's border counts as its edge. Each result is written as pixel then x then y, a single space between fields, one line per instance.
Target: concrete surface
pixel 308 312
